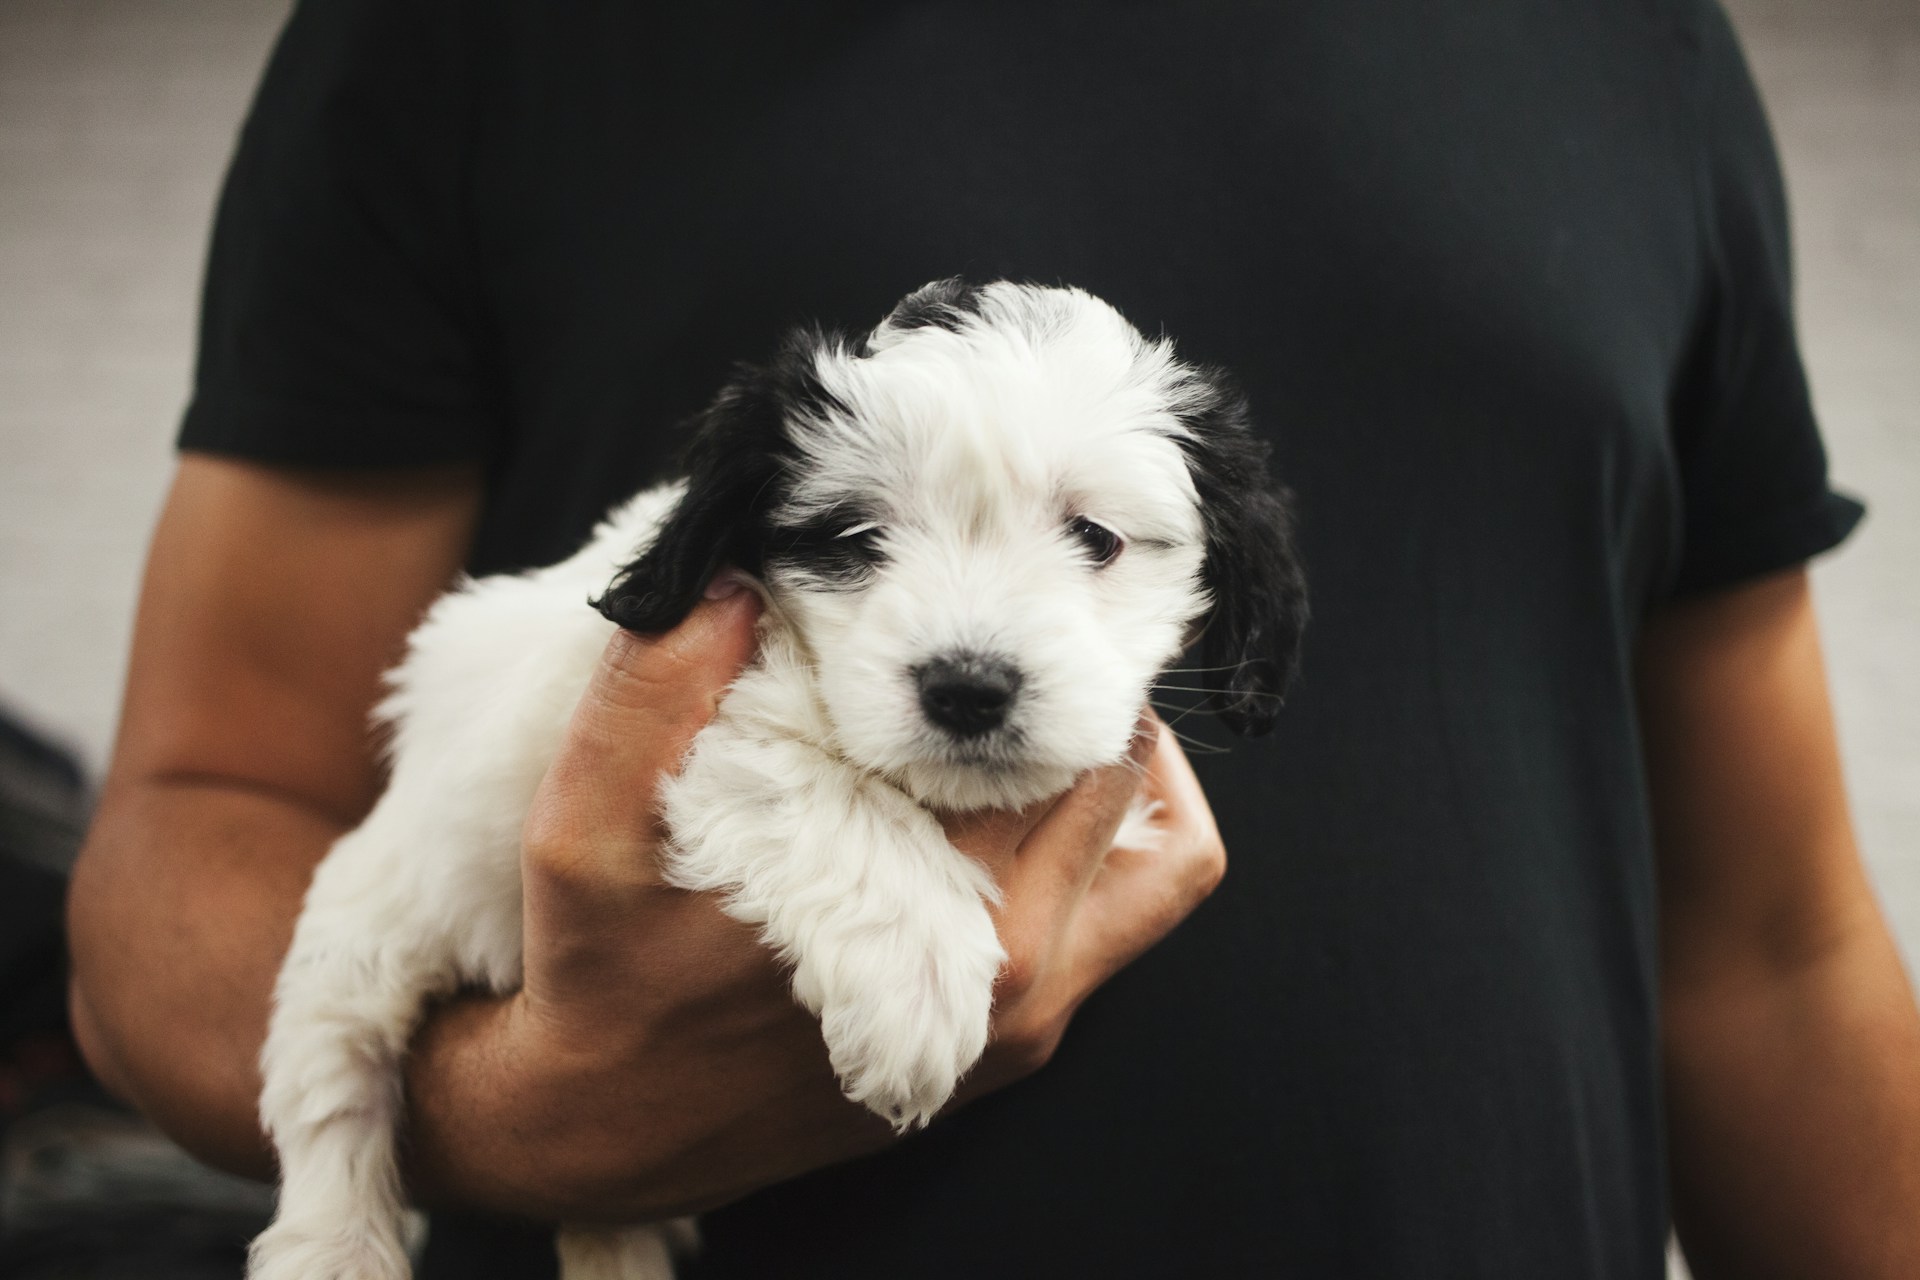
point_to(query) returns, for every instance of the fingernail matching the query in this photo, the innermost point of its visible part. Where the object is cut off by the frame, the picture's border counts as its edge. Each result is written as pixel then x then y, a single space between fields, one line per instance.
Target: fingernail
pixel 724 585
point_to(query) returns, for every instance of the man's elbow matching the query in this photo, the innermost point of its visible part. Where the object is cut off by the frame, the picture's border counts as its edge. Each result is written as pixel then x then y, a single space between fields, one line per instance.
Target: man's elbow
pixel 94 1045
pixel 182 1097
pixel 91 1032
pixel 146 1039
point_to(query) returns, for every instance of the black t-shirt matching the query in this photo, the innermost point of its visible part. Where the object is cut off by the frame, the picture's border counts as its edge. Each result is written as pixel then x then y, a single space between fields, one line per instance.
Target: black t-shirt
pixel 1508 285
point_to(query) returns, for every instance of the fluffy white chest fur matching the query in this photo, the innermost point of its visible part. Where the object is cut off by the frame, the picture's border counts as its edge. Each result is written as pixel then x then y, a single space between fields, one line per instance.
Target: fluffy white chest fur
pixel 982 530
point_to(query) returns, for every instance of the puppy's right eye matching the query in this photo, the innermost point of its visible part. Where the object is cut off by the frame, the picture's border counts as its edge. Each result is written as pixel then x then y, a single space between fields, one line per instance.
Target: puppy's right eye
pixel 1101 543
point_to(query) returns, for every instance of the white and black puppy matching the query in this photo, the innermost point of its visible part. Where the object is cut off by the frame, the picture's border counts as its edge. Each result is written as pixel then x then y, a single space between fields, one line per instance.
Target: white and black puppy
pixel 982 531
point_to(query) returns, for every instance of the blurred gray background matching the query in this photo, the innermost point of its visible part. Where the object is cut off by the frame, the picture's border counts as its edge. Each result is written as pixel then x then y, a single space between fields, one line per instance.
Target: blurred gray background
pixel 116 118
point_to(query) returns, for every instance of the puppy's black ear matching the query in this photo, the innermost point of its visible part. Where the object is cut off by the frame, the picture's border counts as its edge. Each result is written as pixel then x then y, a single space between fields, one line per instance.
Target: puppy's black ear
pixel 734 466
pixel 943 304
pixel 1251 643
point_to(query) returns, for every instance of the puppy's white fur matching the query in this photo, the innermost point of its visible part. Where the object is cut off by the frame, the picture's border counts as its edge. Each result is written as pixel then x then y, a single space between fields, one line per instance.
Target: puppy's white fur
pixel 971 446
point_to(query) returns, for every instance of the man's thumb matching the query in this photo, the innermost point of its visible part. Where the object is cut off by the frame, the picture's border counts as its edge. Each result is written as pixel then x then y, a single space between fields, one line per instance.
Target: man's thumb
pixel 647 698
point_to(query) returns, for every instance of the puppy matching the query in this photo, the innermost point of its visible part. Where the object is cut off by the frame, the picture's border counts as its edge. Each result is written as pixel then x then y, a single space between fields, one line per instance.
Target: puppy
pixel 982 530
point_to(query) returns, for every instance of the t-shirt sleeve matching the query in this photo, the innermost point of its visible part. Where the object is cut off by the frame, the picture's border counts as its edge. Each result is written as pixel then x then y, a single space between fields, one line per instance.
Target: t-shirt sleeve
pixel 341 321
pixel 1752 467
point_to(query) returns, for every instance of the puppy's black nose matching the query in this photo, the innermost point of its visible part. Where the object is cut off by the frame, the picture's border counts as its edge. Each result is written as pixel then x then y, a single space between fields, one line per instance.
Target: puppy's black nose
pixel 966 694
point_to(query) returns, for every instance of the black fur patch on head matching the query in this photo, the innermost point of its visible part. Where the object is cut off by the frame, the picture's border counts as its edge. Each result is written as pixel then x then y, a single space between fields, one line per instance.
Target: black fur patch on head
pixel 943 304
pixel 736 464
pixel 1253 569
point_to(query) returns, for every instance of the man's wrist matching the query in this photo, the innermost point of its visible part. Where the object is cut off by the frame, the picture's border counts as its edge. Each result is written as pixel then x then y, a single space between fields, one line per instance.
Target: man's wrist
pixel 504 1115
pixel 473 1109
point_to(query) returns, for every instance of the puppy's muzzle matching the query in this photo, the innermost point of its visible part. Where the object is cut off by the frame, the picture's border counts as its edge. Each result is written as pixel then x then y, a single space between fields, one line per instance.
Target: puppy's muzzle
pixel 967 694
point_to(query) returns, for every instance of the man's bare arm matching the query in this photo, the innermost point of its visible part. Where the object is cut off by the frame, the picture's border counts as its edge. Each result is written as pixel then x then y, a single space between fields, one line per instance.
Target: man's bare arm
pixel 1791 1040
pixel 273 601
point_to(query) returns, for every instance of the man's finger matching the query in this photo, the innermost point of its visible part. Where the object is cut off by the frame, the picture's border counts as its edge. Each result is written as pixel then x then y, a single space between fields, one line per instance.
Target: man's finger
pixel 651 693
pixel 1170 780
pixel 993 836
pixel 1066 846
pixel 1138 895
pixel 647 699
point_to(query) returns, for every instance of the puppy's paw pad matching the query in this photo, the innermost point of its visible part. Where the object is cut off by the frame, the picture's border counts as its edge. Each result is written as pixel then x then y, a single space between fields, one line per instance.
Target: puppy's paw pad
pixel 290 1253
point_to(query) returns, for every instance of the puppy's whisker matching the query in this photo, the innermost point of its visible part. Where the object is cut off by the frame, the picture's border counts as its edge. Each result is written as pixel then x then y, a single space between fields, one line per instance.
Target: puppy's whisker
pixel 1187 688
pixel 1195 745
pixel 1186 740
pixel 1183 715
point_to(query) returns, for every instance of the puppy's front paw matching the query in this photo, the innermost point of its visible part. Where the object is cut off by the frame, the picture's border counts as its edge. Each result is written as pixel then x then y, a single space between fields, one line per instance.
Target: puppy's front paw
pixel 901 1034
pixel 289 1251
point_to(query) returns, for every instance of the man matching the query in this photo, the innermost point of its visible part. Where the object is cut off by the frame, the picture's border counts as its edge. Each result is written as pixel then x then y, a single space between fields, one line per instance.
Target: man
pixel 1543 891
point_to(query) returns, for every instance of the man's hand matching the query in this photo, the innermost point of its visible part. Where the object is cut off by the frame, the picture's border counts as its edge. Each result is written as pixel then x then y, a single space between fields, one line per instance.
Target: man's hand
pixel 654 1061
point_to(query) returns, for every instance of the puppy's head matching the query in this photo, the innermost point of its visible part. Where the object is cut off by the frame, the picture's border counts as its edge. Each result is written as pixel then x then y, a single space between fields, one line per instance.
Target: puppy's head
pixel 991 523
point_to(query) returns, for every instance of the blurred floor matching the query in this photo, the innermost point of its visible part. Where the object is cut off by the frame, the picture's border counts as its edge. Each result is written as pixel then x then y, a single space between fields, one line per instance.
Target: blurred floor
pixel 116 117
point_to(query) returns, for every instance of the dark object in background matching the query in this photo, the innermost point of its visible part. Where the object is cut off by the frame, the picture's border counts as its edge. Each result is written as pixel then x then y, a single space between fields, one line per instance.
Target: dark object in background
pixel 44 802
pixel 43 814
pixel 88 1189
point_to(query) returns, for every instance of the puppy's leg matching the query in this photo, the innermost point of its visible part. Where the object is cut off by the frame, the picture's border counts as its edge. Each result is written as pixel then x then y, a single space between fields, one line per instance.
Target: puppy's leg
pixel 369 950
pixel 624 1253
pixel 904 993
pixel 885 922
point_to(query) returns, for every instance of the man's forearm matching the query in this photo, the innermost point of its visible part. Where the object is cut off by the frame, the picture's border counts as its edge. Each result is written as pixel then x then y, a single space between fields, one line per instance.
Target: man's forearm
pixel 1792 1042
pixel 182 908
pixel 1794 1098
pixel 179 922
pixel 177 925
